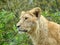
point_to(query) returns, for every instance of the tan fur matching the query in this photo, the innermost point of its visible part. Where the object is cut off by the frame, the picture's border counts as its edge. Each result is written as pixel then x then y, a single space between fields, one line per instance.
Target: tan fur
pixel 40 30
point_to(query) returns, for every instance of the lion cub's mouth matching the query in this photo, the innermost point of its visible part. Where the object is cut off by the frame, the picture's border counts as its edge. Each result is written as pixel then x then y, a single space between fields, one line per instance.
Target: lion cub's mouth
pixel 23 30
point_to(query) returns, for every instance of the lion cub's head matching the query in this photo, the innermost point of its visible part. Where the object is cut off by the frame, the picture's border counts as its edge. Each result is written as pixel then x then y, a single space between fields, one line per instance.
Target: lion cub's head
pixel 28 20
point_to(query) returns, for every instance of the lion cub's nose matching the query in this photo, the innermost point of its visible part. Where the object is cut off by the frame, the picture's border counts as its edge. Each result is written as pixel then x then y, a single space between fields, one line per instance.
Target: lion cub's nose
pixel 18 26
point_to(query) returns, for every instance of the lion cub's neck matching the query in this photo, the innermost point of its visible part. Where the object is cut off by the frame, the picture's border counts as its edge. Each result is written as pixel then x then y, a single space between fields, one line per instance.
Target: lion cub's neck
pixel 39 36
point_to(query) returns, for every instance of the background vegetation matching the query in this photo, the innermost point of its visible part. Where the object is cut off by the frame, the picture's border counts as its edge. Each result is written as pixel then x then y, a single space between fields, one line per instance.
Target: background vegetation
pixel 9 16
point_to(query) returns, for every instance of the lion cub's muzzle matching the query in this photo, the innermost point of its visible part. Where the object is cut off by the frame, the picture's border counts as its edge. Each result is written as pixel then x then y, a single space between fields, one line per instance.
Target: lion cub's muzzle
pixel 18 27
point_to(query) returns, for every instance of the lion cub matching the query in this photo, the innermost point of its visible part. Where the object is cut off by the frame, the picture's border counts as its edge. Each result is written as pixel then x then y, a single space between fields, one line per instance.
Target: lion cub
pixel 41 31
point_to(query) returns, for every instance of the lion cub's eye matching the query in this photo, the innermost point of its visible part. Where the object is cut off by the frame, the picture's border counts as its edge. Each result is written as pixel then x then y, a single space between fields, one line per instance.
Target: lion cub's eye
pixel 26 18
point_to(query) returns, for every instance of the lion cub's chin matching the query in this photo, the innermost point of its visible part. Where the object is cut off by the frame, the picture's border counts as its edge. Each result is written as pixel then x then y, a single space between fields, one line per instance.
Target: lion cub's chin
pixel 20 32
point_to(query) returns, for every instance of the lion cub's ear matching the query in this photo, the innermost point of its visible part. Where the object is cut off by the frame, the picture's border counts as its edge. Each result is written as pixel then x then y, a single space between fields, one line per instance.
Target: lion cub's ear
pixel 36 11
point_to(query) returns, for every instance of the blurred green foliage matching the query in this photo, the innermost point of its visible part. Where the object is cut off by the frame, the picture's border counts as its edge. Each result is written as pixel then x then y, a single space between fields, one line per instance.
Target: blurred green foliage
pixel 8 31
pixel 52 16
pixel 9 10
pixel 19 5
